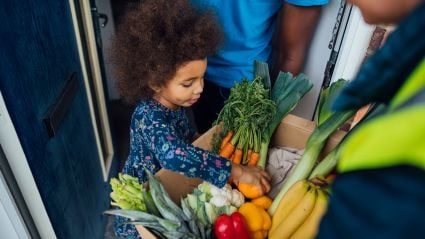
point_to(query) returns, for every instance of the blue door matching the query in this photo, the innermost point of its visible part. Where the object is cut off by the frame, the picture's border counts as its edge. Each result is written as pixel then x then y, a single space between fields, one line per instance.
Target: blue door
pixel 42 84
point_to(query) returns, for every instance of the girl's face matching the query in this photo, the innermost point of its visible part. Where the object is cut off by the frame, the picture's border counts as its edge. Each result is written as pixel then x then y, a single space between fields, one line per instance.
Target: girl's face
pixel 185 88
pixel 384 11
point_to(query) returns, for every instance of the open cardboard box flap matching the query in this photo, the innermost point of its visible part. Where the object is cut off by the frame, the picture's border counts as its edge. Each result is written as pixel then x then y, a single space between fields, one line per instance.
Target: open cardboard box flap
pixel 292 132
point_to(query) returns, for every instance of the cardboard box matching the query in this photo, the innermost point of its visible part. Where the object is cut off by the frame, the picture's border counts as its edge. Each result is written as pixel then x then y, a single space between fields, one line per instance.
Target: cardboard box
pixel 292 132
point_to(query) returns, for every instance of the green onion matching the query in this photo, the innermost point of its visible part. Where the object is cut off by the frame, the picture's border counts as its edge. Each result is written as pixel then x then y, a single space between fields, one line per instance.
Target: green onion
pixel 315 143
pixel 327 97
pixel 326 165
pixel 286 93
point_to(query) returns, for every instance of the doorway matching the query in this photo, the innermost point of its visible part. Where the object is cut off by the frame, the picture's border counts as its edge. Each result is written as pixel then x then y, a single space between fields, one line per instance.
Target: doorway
pixel 99 19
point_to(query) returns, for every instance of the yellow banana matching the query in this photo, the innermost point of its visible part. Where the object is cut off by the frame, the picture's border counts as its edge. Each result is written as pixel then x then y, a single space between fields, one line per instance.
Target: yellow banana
pixel 289 201
pixel 297 216
pixel 311 225
pixel 319 181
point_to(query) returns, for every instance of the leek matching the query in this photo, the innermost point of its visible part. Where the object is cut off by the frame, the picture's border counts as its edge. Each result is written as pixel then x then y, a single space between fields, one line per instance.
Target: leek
pixel 331 160
pixel 286 93
pixel 315 143
pixel 326 165
pixel 327 97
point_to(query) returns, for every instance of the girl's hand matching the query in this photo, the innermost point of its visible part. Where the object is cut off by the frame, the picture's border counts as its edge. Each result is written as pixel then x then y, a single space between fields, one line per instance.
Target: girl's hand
pixel 251 175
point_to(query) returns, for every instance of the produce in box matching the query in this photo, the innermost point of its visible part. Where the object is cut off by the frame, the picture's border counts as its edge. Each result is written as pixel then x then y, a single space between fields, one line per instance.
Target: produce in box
pixel 209 201
pixel 247 122
pixel 302 201
pixel 257 220
pixel 253 111
pixel 229 227
pixel 164 218
pixel 251 114
pixel 126 193
pixel 317 140
pixel 300 210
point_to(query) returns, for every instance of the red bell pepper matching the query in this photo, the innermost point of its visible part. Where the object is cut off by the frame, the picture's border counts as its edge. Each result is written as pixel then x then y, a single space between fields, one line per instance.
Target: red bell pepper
pixel 229 227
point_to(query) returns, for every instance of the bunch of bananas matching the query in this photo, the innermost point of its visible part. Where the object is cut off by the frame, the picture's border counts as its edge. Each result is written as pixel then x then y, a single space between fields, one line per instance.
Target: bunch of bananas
pixel 300 210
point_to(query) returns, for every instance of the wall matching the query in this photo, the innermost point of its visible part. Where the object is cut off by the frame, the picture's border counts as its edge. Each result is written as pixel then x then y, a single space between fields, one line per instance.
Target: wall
pixel 317 58
pixel 354 43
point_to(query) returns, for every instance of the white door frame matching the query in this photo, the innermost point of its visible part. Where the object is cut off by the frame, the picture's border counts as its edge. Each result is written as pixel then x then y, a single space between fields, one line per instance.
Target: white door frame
pixel 104 144
pixel 11 221
pixel 354 46
pixel 351 54
pixel 15 156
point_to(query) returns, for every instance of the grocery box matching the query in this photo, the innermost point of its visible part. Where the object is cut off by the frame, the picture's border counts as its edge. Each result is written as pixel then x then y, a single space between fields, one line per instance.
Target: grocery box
pixel 292 132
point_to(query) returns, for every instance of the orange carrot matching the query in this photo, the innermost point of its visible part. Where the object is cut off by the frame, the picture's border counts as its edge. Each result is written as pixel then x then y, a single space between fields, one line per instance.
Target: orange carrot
pixel 227 150
pixel 253 160
pixel 248 156
pixel 232 157
pixel 238 156
pixel 226 139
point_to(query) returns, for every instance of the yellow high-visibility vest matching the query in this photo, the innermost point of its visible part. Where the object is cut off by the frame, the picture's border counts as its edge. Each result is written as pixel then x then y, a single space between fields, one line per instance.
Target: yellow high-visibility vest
pixel 394 138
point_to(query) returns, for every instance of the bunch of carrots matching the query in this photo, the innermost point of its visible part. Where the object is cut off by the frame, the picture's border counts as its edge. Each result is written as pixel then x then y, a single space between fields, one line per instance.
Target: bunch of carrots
pixel 244 118
pixel 253 111
pixel 250 116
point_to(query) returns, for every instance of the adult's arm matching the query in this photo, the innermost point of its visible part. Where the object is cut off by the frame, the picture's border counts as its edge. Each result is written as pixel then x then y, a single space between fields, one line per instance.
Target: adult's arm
pixel 295 31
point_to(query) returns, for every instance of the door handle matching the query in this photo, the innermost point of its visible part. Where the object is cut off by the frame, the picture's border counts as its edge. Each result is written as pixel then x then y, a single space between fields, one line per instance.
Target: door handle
pixel 98 15
pixel 97 25
pixel 60 106
pixel 104 17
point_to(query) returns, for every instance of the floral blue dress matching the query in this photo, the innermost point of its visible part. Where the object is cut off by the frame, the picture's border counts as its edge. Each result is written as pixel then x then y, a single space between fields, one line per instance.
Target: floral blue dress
pixel 161 138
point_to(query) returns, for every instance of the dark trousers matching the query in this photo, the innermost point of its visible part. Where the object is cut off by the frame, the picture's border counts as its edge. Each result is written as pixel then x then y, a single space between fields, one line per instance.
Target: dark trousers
pixel 209 105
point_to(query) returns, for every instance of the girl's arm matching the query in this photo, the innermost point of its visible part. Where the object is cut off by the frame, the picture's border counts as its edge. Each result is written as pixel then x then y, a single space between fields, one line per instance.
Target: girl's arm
pixel 178 155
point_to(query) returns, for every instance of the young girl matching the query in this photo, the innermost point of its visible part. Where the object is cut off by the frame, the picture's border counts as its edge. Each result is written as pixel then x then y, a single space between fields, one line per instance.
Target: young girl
pixel 160 54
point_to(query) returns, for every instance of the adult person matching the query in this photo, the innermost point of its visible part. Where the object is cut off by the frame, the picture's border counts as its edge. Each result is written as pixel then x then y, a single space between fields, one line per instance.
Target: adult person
pixel 380 192
pixel 249 28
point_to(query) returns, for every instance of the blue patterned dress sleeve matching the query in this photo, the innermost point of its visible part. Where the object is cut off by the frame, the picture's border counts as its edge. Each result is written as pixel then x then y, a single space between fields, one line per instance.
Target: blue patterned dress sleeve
pixel 177 155
pixel 169 137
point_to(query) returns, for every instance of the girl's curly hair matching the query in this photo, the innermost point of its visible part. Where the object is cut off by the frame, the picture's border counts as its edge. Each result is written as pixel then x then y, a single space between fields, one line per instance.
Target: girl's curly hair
pixel 157 37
